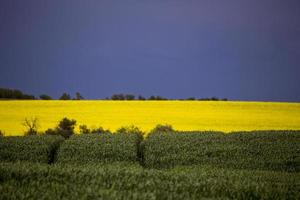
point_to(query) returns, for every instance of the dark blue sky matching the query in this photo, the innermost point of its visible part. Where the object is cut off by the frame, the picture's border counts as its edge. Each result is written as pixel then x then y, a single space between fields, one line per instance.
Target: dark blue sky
pixel 239 49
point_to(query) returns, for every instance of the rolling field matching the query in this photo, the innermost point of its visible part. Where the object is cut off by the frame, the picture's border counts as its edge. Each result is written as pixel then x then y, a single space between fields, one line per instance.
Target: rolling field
pixel 173 165
pixel 182 115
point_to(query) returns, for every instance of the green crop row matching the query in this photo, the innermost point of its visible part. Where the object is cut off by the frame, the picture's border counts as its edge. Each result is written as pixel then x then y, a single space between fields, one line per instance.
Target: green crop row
pixel 39 181
pixel 100 148
pixel 268 150
pixel 34 148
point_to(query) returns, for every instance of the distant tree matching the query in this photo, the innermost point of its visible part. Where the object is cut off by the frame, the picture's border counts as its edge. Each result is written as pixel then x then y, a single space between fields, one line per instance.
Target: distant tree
pixel 1 133
pixel 224 99
pixel 118 97
pixel 191 99
pixel 31 125
pixel 152 97
pixel 129 97
pixel 6 93
pixel 45 97
pixel 141 98
pixel 78 96
pixel 157 98
pixel 26 96
pixel 214 99
pixel 65 96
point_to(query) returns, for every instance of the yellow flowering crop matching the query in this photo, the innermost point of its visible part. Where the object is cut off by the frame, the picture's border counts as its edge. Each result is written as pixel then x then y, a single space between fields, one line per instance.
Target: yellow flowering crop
pixel 182 115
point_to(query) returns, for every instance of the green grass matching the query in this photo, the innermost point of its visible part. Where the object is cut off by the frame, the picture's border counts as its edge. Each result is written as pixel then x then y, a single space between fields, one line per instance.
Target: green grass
pixel 31 148
pixel 99 148
pixel 267 150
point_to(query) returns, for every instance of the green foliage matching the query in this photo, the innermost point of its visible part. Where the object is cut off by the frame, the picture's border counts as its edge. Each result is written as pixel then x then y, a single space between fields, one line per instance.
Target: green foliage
pixel 45 97
pixel 191 99
pixel 6 93
pixel 140 97
pixel 266 150
pixel 78 96
pixel 31 125
pixel 51 131
pixel 122 97
pixel 65 96
pixel 83 129
pixel 100 130
pixel 118 97
pixel 64 128
pixel 159 128
pixel 37 181
pixel 157 98
pixel 35 148
pixel 99 148
pixel 130 130
pixel 201 165
pixel 129 97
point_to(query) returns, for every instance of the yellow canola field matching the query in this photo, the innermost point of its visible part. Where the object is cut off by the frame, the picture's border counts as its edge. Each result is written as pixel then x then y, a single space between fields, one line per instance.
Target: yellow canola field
pixel 182 115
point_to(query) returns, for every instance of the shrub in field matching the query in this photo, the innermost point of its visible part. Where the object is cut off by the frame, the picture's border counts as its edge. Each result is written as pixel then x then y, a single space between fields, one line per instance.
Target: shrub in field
pixel 162 128
pixel 100 130
pixel 64 128
pixel 83 129
pixel 99 148
pixel 67 125
pixel 37 181
pixel 35 148
pixel 51 131
pixel 278 150
pixel 130 130
pixel 31 125
pixel 1 133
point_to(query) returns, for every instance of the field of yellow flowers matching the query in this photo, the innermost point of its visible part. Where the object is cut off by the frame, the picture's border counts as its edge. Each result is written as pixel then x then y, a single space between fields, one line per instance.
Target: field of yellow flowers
pixel 182 115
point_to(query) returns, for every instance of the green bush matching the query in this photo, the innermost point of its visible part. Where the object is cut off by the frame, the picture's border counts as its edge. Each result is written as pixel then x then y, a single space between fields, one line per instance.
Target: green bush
pixel 100 130
pixel 130 130
pixel 268 150
pixel 99 148
pixel 162 128
pixel 35 148
pixel 64 128
pixel 83 129
pixel 31 124
pixel 51 131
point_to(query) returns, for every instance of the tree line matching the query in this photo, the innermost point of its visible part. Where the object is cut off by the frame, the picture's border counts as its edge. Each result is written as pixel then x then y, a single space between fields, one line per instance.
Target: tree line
pixel 6 93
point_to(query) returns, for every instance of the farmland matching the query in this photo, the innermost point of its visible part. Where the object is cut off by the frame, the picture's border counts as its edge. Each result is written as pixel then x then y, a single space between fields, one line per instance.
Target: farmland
pixel 211 154
pixel 182 115
pixel 173 165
